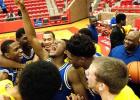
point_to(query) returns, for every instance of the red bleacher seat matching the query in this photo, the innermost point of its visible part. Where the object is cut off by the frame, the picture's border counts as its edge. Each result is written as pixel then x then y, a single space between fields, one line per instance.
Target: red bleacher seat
pixel 126 2
pixel 127 6
pixel 38 9
pixel 34 7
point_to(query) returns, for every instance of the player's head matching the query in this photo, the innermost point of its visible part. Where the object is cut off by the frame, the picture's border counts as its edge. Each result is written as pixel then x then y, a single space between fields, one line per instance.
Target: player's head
pixel 131 41
pixel 80 50
pixel 93 20
pixel 11 50
pixel 22 38
pixel 58 48
pixel 121 19
pixel 39 81
pixel 107 74
pixel 48 39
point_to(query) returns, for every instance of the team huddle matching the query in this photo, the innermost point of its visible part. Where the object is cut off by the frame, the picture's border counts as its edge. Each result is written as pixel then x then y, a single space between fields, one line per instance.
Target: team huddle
pixel 72 69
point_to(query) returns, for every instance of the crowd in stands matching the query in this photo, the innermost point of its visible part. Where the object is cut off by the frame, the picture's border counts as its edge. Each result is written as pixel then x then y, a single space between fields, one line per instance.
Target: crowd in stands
pixel 10 15
pixel 73 69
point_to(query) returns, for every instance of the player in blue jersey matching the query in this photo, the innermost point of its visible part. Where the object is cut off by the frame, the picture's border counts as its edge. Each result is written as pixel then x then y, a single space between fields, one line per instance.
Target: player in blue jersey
pixel 69 75
pixel 80 51
pixel 11 50
pixel 28 52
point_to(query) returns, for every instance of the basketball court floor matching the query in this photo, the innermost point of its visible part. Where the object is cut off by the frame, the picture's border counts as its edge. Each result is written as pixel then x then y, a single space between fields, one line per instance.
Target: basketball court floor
pixel 65 32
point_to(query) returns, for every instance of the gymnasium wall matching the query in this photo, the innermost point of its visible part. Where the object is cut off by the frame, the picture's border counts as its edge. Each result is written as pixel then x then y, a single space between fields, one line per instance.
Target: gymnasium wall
pixel 78 10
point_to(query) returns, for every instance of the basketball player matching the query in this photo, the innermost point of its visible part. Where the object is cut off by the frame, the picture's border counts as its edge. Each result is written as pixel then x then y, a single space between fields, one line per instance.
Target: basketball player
pixel 80 52
pixel 11 50
pixel 28 52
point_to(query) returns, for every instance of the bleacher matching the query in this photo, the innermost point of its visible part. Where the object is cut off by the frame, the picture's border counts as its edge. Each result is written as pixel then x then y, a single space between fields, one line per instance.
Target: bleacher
pixel 60 4
pixel 36 8
pixel 103 4
pixel 63 17
pixel 38 13
pixel 127 7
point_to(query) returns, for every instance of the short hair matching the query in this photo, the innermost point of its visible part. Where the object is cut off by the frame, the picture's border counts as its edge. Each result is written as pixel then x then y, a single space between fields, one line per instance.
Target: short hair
pixel 120 17
pixel 39 81
pixel 5 46
pixel 81 45
pixel 50 32
pixel 136 34
pixel 20 32
pixel 85 31
pixel 112 72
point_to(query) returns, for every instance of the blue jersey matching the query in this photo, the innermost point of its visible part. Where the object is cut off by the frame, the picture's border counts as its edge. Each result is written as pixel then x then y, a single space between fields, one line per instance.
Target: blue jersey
pixel 28 58
pixel 65 89
pixel 12 72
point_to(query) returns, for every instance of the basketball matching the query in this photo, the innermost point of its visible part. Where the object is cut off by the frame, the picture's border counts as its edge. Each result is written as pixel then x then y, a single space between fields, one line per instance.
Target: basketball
pixel 134 71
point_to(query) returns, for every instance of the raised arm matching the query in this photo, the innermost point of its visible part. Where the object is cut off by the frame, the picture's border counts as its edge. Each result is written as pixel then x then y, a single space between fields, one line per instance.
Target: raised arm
pixel 9 63
pixel 30 31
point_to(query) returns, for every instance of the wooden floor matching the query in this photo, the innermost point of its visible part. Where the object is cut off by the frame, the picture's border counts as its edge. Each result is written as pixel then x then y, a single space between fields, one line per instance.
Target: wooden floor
pixel 64 32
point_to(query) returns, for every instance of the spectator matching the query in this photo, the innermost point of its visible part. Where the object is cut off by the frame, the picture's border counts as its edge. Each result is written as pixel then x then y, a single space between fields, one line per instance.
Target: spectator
pixel 92 28
pixel 118 33
pixel 10 16
pixel 109 78
pixel 130 51
pixel 3 7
